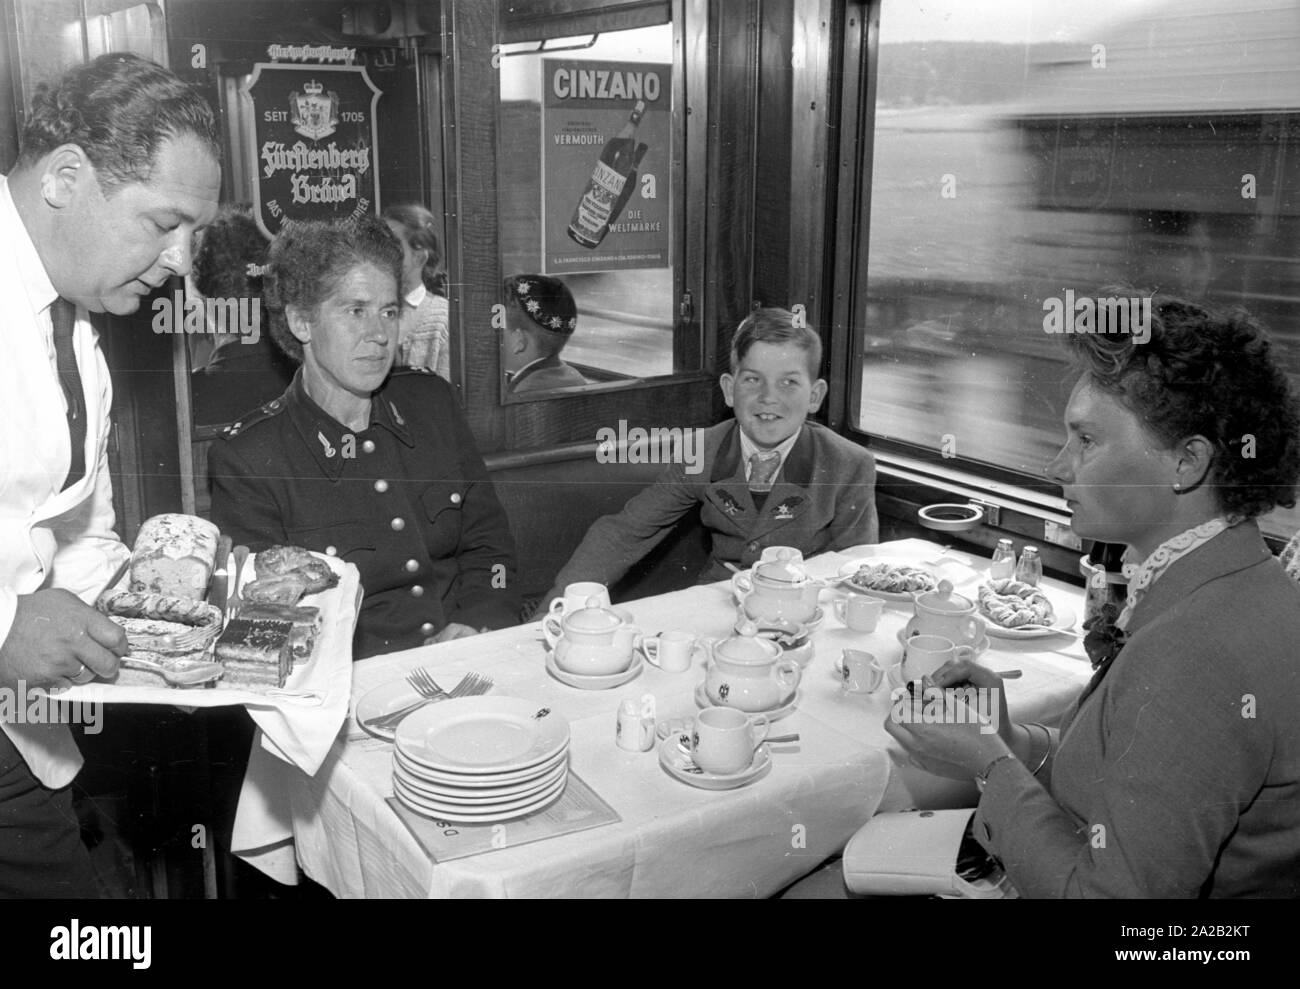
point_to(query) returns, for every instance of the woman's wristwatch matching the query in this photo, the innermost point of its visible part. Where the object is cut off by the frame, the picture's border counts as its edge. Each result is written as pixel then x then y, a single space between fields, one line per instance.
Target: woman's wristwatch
pixel 982 780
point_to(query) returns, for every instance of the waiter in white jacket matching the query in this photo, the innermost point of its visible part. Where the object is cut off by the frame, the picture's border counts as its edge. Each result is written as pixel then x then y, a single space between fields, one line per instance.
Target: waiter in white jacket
pixel 119 167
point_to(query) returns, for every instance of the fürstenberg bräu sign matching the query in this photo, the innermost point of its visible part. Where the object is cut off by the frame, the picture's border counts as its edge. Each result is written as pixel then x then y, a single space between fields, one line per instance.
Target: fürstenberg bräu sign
pixel 312 142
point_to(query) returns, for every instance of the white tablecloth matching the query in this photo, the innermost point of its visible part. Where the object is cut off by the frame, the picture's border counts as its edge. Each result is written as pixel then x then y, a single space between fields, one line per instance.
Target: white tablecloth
pixel 673 840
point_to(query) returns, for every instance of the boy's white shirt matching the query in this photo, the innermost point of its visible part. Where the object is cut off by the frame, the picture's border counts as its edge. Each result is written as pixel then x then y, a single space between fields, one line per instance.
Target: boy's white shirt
pixel 748 449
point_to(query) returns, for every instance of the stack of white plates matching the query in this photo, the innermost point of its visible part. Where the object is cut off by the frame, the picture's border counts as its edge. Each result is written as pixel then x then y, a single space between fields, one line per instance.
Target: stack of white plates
pixel 480 759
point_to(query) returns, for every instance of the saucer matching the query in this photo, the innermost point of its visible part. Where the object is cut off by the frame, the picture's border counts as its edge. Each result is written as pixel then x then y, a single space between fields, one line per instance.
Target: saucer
pixel 605 682
pixel 980 646
pixel 818 616
pixel 772 714
pixel 679 765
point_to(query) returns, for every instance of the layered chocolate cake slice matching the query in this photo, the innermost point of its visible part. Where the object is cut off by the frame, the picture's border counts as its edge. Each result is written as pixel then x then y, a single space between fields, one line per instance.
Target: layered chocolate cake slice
pixel 255 652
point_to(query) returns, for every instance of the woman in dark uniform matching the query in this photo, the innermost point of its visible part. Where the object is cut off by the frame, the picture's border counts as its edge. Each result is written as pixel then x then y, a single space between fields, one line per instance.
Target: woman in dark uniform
pixel 378 468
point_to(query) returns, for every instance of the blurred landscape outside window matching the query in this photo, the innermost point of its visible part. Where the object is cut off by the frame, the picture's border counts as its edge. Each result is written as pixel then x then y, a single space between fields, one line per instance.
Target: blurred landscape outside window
pixel 1030 149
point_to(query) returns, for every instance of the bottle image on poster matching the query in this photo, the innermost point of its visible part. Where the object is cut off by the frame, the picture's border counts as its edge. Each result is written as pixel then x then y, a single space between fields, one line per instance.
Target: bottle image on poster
pixel 612 180
pixel 606 166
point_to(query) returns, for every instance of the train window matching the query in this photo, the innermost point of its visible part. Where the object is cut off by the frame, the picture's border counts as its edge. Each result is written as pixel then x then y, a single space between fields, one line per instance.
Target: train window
pixel 588 180
pixel 1025 157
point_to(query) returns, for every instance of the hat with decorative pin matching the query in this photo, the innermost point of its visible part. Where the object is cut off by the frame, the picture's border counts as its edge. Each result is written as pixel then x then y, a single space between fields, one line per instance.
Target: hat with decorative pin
pixel 547 301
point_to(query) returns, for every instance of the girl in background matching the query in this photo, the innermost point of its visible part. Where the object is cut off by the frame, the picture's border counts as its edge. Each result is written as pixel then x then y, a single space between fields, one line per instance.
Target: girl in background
pixel 424 335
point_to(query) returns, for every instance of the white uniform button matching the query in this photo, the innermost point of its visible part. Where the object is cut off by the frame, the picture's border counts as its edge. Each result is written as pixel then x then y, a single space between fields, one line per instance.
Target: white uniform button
pixel 368 446
pixel 455 498
pixel 331 551
pixel 417 591
pixel 412 566
pixel 427 628
pixel 381 485
pixel 398 524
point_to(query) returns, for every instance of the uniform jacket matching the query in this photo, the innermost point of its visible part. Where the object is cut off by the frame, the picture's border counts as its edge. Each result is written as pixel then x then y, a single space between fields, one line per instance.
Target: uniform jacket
pixel 48 537
pixel 823 499
pixel 1179 775
pixel 407 500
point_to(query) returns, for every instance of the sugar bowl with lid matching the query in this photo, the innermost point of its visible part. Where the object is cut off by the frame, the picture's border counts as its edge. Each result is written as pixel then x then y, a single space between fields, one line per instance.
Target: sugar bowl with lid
pixel 749 672
pixel 777 589
pixel 945 612
pixel 592 641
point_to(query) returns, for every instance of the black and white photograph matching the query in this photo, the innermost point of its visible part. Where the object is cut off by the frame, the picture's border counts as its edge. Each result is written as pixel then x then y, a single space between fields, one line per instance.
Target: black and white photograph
pixel 651 449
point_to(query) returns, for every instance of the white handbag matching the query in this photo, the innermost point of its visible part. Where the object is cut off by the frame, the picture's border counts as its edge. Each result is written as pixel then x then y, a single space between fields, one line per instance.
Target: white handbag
pixel 923 853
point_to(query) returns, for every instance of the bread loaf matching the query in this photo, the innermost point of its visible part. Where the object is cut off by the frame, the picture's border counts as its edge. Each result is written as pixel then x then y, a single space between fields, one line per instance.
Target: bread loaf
pixel 173 556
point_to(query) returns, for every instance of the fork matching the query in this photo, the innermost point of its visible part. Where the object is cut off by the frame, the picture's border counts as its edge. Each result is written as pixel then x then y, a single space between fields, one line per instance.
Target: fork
pixel 471 685
pixel 424 685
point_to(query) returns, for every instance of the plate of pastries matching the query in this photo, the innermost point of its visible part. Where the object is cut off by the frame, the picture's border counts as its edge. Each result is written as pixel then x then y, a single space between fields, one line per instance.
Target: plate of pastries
pixel 1013 609
pixel 189 624
pixel 889 579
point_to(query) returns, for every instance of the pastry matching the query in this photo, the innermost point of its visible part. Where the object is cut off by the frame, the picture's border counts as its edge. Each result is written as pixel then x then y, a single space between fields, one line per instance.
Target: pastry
pixel 173 556
pixel 1013 603
pixel 161 624
pixel 255 652
pixel 306 624
pixel 285 589
pixel 892 579
pixel 281 561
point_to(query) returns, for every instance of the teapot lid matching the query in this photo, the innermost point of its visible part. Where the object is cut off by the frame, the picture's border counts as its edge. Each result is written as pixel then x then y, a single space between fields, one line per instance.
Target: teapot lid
pixel 593 618
pixel 747 646
pixel 943 598
pixel 785 571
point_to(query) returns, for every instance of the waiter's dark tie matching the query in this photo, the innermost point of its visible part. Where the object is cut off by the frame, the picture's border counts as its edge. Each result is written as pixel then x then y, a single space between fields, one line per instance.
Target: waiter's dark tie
pixel 63 315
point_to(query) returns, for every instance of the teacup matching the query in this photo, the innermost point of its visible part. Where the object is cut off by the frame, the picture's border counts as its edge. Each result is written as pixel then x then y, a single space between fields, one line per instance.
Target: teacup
pixel 859 612
pixel 924 654
pixel 670 651
pixel 577 595
pixel 861 671
pixel 723 739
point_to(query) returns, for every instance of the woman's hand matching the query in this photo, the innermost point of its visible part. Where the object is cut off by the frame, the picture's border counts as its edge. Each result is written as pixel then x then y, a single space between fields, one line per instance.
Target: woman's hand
pixel 967 672
pixel 453 630
pixel 942 734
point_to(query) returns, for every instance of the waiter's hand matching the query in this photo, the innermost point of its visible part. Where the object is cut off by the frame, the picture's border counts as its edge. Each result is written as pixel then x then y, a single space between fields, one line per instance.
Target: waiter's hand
pixel 454 630
pixel 55 638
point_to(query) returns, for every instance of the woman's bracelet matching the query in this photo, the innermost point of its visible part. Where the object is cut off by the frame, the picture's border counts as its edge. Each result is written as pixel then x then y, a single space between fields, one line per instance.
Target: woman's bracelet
pixel 1047 752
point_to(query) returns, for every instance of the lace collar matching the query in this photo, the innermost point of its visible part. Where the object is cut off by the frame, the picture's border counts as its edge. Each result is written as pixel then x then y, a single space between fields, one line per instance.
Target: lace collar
pixel 1165 555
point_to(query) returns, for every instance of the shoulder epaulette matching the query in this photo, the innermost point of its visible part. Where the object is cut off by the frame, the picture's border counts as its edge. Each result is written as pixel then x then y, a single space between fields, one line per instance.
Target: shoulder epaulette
pixel 248 420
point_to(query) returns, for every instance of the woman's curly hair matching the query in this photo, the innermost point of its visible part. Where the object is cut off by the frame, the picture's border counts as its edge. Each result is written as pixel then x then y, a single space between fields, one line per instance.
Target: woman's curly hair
pixel 308 258
pixel 1209 372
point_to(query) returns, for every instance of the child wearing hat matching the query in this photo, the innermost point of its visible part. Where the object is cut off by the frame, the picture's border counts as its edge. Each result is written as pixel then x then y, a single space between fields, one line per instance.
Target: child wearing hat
pixel 768 477
pixel 540 318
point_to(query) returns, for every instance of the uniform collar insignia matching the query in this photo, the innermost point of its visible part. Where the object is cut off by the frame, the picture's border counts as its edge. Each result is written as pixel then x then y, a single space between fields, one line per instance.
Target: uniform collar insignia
pixel 397 416
pixel 729 504
pixel 785 510
pixel 325 443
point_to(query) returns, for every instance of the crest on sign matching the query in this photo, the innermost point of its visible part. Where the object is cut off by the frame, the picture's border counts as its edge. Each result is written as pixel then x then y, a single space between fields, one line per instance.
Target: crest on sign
pixel 314 112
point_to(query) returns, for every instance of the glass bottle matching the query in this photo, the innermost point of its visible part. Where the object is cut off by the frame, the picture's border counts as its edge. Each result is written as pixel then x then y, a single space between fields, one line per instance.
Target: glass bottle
pixel 611 183
pixel 1003 566
pixel 1030 568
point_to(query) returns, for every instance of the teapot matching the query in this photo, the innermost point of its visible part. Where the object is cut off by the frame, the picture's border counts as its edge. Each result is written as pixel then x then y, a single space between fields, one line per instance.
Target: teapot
pixel 592 641
pixel 749 672
pixel 778 589
pixel 945 613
